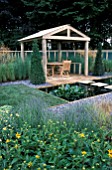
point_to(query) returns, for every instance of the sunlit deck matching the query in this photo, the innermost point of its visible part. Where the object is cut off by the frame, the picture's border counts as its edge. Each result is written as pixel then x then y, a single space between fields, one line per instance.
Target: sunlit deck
pixel 59 80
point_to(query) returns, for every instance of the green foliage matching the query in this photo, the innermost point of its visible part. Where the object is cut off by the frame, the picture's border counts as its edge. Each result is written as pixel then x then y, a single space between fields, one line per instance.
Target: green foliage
pixel 0 73
pixel 81 134
pixel 98 66
pixel 90 17
pixel 70 92
pixel 107 65
pixel 10 72
pixel 52 145
pixel 18 94
pixel 15 70
pixel 19 68
pixel 4 73
pixel 31 111
pixel 37 73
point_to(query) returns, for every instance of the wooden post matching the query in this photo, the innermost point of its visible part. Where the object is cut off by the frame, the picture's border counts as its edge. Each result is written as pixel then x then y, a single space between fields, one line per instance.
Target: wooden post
pixel 59 51
pixel 68 32
pixel 107 55
pixel 86 59
pixel 44 56
pixel 22 51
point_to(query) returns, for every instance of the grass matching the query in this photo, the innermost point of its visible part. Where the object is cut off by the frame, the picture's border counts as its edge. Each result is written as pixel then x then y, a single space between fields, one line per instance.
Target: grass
pixel 30 103
pixel 17 94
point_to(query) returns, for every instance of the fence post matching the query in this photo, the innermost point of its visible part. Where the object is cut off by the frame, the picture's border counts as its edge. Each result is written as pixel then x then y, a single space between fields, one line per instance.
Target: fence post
pixel 106 55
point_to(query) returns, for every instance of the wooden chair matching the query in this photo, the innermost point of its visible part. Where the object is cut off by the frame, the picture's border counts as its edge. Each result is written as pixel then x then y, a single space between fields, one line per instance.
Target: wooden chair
pixel 49 71
pixel 65 68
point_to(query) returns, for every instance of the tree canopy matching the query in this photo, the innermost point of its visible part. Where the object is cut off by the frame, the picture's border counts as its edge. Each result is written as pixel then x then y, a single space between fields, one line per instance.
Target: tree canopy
pixel 22 18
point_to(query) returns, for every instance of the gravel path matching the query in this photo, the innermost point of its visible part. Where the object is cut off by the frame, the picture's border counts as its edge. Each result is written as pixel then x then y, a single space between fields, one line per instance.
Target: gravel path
pixel 25 82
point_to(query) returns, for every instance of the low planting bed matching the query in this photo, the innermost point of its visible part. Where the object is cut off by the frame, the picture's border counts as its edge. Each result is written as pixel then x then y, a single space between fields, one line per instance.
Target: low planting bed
pixel 76 91
pixel 34 137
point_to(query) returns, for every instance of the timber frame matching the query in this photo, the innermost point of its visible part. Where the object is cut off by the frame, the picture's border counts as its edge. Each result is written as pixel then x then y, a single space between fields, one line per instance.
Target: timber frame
pixel 61 33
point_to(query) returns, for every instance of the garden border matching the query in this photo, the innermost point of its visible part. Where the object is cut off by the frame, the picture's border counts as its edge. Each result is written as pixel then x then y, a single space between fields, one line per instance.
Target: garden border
pixel 62 108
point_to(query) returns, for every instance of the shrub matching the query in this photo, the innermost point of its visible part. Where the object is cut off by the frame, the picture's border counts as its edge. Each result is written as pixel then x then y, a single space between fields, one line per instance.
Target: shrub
pixel 37 73
pixel 99 67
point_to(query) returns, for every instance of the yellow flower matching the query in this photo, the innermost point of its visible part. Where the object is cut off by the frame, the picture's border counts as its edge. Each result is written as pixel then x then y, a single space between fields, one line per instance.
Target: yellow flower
pixel 37 156
pixel 44 165
pixel 50 134
pixel 4 128
pixel 52 166
pixel 84 152
pixel 75 140
pixel 110 153
pixel 0 156
pixel 16 146
pixel 8 140
pixel 98 140
pixel 82 135
pixel 17 115
pixel 10 166
pixel 30 164
pixel 38 168
pixel 18 135
pixel 56 139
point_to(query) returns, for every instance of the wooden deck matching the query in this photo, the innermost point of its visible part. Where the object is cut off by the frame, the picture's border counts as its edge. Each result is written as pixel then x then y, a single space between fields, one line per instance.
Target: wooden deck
pixel 59 80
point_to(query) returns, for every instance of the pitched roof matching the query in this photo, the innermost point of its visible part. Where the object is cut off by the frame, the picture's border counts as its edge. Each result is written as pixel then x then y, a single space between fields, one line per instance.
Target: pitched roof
pixel 48 34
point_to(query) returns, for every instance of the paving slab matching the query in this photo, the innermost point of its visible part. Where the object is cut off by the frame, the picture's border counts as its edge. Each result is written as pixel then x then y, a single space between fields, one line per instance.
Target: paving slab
pixel 108 87
pixel 99 84
pixel 86 81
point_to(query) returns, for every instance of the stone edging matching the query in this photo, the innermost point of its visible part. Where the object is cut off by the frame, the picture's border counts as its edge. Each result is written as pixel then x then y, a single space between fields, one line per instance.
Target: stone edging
pixel 78 103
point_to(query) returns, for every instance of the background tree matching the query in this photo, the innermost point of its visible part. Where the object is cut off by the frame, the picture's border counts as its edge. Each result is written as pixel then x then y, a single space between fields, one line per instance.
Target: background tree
pixel 37 73
pixel 13 23
pixel 99 67
pixel 22 18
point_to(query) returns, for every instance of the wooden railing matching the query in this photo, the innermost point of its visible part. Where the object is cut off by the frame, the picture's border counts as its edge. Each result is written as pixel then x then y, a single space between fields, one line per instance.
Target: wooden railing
pixel 107 54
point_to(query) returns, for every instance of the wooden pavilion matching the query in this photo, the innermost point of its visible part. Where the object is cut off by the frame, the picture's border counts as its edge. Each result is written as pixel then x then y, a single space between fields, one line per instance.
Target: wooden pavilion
pixel 61 33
